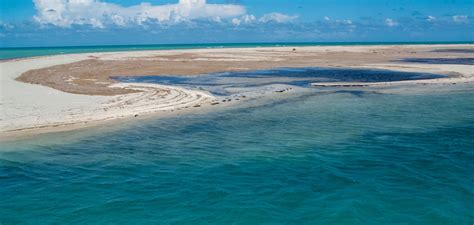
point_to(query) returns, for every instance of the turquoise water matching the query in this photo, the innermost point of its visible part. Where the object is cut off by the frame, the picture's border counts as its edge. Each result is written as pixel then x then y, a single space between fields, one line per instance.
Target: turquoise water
pixel 328 157
pixel 12 53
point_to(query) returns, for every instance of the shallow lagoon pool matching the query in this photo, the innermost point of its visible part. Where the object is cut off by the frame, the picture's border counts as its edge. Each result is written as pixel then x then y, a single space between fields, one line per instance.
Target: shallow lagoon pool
pixel 220 83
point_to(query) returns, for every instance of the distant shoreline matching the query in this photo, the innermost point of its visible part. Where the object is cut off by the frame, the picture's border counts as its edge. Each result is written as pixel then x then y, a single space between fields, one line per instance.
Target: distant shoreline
pixel 12 53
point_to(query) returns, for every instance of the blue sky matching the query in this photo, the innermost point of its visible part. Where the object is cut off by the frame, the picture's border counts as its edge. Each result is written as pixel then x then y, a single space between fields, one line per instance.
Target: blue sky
pixel 98 22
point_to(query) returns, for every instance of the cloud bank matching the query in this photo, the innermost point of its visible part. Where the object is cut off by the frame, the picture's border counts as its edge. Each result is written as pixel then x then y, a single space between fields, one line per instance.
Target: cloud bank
pixel 461 19
pixel 65 13
pixel 277 17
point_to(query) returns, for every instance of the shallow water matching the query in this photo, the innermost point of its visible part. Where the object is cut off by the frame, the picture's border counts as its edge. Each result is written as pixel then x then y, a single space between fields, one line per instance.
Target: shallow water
pixel 222 83
pixel 349 157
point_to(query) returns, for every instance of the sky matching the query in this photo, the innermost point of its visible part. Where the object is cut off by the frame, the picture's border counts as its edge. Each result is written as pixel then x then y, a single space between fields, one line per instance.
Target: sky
pixel 27 23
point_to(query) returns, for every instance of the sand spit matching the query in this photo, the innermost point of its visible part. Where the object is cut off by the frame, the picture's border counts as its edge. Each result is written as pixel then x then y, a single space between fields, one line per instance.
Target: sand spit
pixel 27 107
pixel 92 76
pixel 69 90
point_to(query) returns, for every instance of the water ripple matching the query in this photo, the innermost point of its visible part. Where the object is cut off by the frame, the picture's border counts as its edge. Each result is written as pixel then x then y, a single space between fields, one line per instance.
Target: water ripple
pixel 317 159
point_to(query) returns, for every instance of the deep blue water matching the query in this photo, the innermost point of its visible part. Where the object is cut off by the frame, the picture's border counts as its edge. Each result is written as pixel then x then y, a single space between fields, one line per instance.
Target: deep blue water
pixel 336 157
pixel 22 52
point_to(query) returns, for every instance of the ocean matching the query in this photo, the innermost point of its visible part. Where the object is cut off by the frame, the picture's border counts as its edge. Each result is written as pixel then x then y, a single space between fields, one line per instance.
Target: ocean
pixel 328 157
pixel 22 52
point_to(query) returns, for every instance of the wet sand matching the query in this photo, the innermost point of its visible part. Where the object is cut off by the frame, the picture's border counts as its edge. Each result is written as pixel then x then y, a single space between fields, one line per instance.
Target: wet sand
pixel 45 93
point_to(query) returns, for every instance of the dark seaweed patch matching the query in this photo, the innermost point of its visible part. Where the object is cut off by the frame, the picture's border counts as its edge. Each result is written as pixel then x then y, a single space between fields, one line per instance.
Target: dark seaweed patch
pixel 454 50
pixel 457 61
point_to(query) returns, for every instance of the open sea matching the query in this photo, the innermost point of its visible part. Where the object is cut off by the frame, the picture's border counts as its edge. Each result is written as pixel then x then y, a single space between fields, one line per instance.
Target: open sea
pixel 22 52
pixel 328 156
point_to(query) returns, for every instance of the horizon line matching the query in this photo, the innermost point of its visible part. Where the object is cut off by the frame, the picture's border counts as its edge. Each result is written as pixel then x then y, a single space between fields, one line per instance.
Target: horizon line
pixel 245 43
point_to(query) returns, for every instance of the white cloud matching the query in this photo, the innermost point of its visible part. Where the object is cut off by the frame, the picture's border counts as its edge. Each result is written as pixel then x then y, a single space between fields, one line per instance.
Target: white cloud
pixel 430 18
pixel 267 18
pixel 245 19
pixel 96 13
pixel 236 21
pixel 391 23
pixel 346 22
pixel 460 19
pixel 248 18
pixel 277 17
pixel 327 18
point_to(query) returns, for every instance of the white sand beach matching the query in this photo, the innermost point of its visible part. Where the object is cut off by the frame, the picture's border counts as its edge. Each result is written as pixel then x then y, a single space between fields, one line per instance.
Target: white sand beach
pixel 32 107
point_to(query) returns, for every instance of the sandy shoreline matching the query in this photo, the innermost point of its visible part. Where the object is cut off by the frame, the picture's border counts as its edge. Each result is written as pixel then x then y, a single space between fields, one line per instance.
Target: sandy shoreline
pixel 43 94
pixel 29 108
